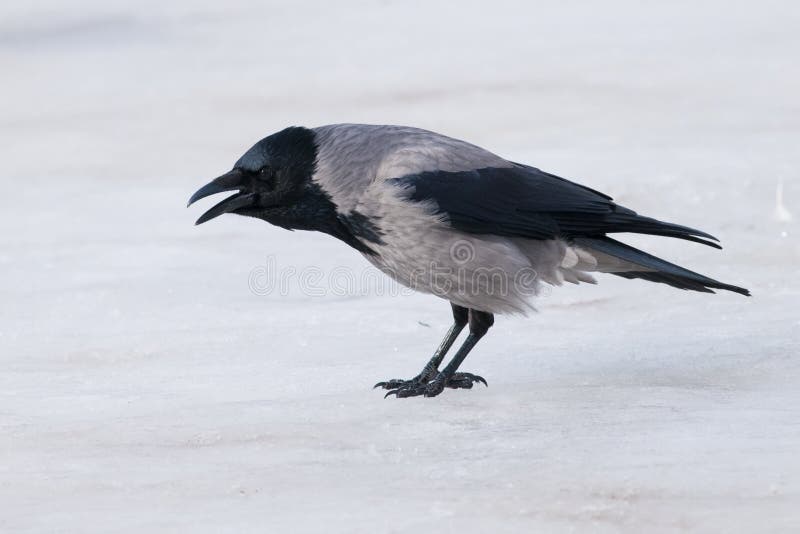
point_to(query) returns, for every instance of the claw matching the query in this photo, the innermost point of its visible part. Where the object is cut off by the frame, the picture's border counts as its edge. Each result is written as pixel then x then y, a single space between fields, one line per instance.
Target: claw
pixel 407 390
pixel 394 383
pixel 470 376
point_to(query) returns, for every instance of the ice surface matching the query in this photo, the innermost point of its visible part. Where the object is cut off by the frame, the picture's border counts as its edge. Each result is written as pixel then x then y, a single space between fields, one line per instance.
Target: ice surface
pixel 149 385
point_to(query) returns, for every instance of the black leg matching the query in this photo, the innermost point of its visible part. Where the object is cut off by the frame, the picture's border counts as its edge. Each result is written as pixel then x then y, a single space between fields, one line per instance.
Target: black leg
pixel 460 319
pixel 479 324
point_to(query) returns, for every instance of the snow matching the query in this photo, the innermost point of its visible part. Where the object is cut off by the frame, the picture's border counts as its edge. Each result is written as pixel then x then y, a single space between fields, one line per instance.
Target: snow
pixel 150 382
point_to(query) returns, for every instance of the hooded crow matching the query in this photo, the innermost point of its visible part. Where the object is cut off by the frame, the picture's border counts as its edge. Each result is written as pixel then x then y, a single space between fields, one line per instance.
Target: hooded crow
pixel 448 218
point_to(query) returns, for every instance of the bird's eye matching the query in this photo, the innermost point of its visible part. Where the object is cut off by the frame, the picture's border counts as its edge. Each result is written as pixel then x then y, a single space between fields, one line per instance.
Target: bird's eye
pixel 267 175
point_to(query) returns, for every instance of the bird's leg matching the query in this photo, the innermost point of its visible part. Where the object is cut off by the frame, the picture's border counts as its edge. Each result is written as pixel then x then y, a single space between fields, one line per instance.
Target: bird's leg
pixel 460 319
pixel 479 324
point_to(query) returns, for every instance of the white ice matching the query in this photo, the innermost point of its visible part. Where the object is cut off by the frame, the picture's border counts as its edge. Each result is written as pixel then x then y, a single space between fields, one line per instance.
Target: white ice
pixel 150 382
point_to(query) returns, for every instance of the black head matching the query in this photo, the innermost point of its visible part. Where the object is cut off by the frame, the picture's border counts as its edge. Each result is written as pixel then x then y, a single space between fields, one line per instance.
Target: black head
pixel 272 180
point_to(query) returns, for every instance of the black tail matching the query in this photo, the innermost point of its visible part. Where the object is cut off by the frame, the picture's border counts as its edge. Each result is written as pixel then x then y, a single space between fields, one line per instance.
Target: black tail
pixel 625 220
pixel 655 269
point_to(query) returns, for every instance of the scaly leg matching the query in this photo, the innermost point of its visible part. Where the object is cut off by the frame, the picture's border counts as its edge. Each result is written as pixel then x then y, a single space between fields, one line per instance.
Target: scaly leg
pixel 479 324
pixel 460 319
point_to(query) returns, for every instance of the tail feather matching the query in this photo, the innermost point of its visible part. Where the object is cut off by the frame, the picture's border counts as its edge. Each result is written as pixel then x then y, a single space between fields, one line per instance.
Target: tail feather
pixel 639 224
pixel 648 267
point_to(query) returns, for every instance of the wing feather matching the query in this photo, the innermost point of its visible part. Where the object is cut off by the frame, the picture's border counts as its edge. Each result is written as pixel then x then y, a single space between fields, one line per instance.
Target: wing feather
pixel 522 201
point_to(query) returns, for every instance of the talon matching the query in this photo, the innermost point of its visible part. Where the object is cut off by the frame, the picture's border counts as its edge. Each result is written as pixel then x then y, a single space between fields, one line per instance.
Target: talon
pixel 481 380
pixel 407 389
pixel 379 385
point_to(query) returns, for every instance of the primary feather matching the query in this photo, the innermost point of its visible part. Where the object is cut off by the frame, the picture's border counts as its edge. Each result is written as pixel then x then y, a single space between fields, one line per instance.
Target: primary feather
pixel 522 201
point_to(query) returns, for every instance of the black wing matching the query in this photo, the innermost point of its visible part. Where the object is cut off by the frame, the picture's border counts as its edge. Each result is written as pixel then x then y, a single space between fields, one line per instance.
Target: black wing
pixel 522 201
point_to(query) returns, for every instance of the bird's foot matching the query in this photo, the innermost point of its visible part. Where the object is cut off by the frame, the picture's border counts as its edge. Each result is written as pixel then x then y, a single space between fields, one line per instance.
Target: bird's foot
pixel 431 388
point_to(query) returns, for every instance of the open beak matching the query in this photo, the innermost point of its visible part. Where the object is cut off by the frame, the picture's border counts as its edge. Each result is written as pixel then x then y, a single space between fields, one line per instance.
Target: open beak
pixel 231 181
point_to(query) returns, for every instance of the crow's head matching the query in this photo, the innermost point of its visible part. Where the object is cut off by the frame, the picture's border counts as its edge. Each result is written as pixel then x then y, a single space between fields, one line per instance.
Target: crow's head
pixel 272 182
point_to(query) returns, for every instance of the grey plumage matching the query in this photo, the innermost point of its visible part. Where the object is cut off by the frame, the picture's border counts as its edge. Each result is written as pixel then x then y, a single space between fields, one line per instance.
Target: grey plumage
pixel 369 169
pixel 353 157
pixel 449 218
